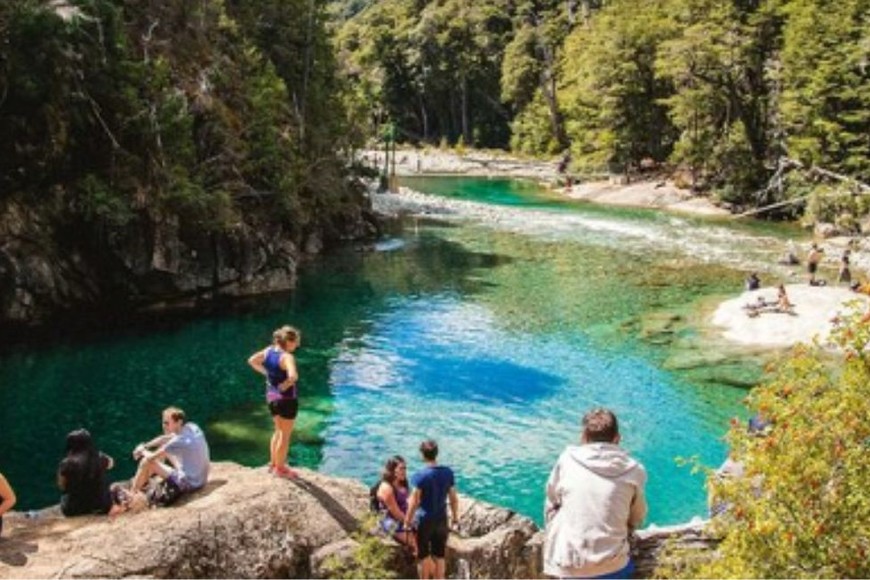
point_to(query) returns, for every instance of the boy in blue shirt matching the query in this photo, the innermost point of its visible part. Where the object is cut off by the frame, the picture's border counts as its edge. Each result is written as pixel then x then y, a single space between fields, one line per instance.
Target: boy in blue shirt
pixel 433 486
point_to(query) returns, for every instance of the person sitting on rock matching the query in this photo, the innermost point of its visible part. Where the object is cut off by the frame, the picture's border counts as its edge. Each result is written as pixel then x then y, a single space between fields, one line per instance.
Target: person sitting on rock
pixel 753 282
pixel 783 304
pixel 179 459
pixel 82 477
pixel 7 499
pixel 594 499
pixel 392 495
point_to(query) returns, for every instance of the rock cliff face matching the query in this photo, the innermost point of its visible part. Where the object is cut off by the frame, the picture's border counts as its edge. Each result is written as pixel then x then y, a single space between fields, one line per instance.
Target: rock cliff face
pixel 248 524
pixel 49 266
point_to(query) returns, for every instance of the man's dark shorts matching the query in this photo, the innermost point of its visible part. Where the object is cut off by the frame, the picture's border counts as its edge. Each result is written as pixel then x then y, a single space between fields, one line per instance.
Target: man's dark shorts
pixel 168 491
pixel 284 408
pixel 812 267
pixel 432 538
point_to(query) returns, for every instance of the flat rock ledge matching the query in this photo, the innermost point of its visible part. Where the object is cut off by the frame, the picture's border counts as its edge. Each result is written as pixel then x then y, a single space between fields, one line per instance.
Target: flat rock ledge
pixel 249 524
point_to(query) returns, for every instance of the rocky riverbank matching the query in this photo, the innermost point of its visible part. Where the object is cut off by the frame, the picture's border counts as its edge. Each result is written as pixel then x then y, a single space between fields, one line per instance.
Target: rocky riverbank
pixel 248 524
pixel 51 266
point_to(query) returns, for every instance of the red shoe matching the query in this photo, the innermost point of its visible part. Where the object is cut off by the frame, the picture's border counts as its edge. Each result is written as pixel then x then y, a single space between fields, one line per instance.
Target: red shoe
pixel 285 472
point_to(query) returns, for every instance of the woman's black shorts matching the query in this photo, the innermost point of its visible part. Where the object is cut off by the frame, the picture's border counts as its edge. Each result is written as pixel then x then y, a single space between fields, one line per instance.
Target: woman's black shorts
pixel 284 408
pixel 432 538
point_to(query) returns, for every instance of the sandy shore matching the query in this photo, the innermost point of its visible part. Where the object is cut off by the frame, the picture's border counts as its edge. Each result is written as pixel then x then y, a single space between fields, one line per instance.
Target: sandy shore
pixel 660 195
pixel 648 194
pixel 815 306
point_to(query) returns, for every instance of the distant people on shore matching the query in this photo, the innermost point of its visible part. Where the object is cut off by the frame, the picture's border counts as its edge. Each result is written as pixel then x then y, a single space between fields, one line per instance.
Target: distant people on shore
pixel 594 499
pixel 179 459
pixel 7 499
pixel 844 276
pixel 813 259
pixel 790 257
pixel 83 478
pixel 433 485
pixel 277 364
pixel 782 301
pixel 392 496
pixel 753 282
pixel 782 304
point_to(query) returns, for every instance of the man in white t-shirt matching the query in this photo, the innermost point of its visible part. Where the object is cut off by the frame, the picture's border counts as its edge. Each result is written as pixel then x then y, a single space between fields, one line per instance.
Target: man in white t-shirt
pixel 179 457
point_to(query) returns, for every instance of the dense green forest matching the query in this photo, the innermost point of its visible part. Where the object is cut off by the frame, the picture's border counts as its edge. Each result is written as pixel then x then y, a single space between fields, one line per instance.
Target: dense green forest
pixel 167 150
pixel 734 92
pixel 184 135
pixel 202 110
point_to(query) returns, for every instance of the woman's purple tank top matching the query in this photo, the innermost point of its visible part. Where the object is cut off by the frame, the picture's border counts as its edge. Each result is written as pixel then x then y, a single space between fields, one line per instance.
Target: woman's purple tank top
pixel 275 375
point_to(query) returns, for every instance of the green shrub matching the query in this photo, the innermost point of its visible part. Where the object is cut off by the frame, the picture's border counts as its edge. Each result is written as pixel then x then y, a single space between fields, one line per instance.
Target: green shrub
pixel 371 558
pixel 803 507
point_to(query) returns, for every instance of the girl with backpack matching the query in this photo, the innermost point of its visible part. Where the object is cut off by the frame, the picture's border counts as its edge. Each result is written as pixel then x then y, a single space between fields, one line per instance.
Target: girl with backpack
pixel 392 499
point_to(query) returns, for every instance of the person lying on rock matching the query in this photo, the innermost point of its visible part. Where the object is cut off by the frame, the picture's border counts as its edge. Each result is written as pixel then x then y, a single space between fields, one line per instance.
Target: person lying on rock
pixel 82 476
pixel 782 304
pixel 179 459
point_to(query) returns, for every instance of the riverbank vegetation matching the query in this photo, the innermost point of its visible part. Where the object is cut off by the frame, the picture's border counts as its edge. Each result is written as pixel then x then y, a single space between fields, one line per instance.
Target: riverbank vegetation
pixel 801 507
pixel 761 101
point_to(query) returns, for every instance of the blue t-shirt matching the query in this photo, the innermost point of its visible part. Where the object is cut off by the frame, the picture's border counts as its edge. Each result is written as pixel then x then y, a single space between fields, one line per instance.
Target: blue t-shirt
pixel 191 449
pixel 434 482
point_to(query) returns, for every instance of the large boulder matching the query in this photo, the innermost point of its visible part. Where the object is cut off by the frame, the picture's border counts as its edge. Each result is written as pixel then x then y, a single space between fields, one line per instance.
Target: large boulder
pixel 249 524
pixel 244 524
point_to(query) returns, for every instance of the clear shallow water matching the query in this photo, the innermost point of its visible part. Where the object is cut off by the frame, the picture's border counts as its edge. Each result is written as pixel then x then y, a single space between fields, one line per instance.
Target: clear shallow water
pixel 493 336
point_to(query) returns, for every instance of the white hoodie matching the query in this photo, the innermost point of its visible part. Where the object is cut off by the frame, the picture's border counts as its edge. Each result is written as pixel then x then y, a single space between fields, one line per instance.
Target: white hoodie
pixel 594 495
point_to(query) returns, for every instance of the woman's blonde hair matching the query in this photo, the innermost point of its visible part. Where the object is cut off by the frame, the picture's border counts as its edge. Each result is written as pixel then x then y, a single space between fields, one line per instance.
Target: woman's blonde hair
pixel 286 334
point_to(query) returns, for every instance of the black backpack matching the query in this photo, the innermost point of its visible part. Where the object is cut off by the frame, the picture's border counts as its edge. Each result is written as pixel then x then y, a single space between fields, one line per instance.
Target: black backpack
pixel 374 503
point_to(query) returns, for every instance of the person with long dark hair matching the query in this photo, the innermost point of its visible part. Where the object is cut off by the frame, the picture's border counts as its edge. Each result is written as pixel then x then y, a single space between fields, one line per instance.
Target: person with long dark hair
pixel 82 476
pixel 392 494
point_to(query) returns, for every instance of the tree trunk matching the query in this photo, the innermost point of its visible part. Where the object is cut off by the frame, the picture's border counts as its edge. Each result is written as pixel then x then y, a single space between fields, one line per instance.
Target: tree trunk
pixel 548 89
pixel 465 134
pixel 424 117
pixel 306 72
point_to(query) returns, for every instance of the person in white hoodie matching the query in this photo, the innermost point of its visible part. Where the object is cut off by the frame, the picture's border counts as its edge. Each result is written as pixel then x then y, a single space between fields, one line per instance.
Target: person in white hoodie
pixel 595 498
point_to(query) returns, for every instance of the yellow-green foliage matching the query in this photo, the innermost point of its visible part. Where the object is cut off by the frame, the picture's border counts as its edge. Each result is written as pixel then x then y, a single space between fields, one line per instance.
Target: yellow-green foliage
pixel 802 510
pixel 371 558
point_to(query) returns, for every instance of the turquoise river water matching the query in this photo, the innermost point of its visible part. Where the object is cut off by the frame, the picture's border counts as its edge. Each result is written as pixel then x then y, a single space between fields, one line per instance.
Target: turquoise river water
pixel 491 332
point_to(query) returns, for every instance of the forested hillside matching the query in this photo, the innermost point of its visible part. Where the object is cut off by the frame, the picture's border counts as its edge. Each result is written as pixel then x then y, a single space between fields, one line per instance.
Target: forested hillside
pixel 156 147
pixel 729 90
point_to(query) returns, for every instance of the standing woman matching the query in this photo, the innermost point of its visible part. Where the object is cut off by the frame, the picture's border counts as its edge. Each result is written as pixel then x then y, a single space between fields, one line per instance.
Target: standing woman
pixel 7 499
pixel 82 477
pixel 277 364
